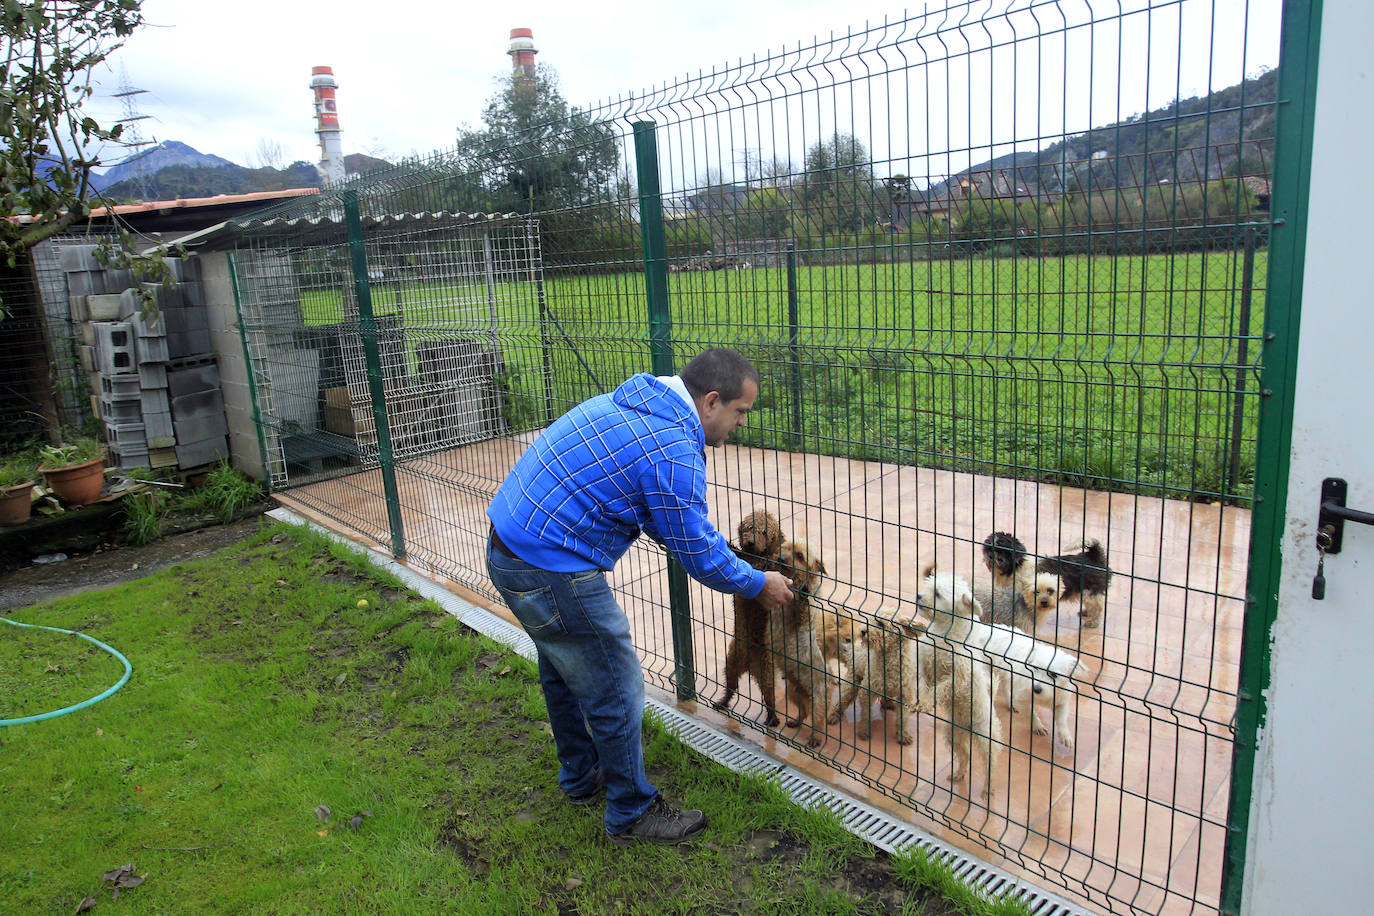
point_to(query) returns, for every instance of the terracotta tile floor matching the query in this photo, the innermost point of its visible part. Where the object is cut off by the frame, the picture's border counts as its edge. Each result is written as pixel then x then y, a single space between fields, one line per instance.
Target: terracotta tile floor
pixel 1130 819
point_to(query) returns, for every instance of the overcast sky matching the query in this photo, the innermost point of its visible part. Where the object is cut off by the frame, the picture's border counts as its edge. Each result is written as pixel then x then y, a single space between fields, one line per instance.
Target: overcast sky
pixel 224 76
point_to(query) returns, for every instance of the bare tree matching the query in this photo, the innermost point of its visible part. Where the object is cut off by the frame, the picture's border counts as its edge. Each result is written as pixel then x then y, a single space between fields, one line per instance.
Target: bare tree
pixel 270 154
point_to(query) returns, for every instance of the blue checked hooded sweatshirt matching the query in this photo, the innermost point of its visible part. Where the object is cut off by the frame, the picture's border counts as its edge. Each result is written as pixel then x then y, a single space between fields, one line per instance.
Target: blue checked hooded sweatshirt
pixel 620 463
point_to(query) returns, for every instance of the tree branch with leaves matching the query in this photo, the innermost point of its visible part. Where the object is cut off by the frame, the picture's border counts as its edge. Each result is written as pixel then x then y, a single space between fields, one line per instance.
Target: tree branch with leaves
pixel 52 48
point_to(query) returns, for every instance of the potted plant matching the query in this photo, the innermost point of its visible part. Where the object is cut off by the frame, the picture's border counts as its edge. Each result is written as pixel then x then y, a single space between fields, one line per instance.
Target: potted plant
pixel 17 474
pixel 74 469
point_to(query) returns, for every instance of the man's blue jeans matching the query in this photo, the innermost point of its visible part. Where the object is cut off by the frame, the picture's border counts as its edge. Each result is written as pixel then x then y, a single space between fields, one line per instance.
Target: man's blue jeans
pixel 592 680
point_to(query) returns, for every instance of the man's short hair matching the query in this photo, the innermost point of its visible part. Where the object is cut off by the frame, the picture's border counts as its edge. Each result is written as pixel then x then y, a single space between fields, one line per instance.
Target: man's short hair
pixel 719 369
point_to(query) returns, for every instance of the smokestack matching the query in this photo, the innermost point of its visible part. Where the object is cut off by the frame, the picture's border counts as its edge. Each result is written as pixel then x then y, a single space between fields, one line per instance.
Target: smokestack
pixel 522 51
pixel 327 125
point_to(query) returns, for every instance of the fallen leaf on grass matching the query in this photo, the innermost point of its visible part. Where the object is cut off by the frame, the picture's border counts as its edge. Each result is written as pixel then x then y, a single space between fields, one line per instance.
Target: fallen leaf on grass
pixel 324 832
pixel 322 812
pixel 338 681
pixel 572 884
pixel 281 582
pixel 489 660
pixel 123 876
pixel 87 903
pixel 504 671
pixel 438 621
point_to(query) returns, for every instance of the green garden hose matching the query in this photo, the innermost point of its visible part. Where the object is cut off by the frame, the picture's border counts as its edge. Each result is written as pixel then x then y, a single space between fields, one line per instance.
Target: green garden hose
pixel 128 670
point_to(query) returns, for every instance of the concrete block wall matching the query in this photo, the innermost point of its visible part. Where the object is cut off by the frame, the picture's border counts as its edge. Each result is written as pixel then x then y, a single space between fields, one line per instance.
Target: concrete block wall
pixel 133 356
pixel 217 291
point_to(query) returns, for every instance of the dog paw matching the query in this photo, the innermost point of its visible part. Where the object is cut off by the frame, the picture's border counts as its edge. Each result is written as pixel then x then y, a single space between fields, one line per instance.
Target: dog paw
pixel 904 739
pixel 793 723
pixel 772 721
pixel 1038 725
pixel 815 740
pixel 1065 737
pixel 833 718
pixel 862 734
pixel 887 703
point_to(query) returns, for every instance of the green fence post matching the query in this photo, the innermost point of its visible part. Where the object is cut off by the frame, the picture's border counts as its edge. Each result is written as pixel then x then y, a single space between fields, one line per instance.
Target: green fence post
pixel 367 329
pixel 793 340
pixel 1247 288
pixel 661 354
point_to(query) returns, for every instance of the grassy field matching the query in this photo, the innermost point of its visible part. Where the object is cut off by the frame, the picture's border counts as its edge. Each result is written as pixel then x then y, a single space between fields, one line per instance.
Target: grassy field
pixel 1114 373
pixel 282 747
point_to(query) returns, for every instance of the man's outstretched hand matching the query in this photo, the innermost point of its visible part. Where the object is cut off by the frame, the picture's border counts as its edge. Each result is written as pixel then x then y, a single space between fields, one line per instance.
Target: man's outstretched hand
pixel 777 590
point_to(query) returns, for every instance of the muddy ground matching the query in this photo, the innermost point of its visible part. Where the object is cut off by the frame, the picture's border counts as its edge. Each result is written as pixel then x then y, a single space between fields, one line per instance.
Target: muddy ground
pixel 111 565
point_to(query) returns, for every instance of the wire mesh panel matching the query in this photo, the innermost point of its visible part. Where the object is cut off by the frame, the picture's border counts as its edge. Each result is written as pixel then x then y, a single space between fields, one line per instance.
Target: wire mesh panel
pixel 1001 269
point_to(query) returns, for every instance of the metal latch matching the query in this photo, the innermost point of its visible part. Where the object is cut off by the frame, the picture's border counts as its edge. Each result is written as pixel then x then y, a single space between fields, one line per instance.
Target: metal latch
pixel 1334 514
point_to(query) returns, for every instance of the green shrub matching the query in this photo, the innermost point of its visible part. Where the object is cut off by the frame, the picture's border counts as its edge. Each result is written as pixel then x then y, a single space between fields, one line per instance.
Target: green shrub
pixel 223 494
pixel 71 450
pixel 143 514
pixel 17 468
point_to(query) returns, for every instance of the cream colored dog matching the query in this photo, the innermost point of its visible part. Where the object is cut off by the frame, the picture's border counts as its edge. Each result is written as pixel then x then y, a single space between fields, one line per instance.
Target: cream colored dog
pixel 955 681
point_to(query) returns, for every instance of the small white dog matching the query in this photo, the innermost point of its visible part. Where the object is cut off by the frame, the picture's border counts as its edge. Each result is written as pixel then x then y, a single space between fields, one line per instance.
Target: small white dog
pixel 1030 664
pixel 1033 666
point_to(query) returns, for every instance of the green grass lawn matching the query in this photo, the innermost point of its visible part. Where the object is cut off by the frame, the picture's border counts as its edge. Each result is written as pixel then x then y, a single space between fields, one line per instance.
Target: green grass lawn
pixel 1131 373
pixel 265 692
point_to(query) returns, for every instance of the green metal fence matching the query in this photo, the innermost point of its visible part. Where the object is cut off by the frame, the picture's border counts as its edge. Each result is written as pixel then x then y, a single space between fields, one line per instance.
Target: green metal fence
pixel 1001 267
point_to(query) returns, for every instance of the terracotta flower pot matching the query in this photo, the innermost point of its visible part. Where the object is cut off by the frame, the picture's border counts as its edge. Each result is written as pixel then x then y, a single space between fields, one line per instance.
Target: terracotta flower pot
pixel 77 484
pixel 15 503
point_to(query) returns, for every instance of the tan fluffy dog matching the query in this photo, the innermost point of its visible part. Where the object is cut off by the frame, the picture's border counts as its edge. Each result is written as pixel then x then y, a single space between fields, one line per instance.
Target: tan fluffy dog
pixel 955 682
pixel 880 661
pixel 794 636
pixel 760 543
pixel 834 627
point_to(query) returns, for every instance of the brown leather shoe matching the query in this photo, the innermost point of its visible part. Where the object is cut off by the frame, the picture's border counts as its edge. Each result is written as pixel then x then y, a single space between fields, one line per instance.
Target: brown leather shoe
pixel 663 823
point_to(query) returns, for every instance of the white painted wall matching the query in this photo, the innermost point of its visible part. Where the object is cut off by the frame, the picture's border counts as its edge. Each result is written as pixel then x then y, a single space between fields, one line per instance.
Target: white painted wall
pixel 1313 811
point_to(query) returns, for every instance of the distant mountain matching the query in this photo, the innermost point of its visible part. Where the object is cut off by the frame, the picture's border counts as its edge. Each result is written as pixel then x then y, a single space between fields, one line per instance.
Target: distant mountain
pixel 174 170
pixel 152 160
pixel 1227 133
pixel 362 164
pixel 178 181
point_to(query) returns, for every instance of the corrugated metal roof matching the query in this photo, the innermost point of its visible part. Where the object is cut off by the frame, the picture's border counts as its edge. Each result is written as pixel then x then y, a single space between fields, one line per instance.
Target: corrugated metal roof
pixel 329 225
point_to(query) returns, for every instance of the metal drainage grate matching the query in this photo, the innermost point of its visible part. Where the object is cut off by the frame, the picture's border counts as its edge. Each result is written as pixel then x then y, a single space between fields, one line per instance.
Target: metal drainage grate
pixel 861 819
